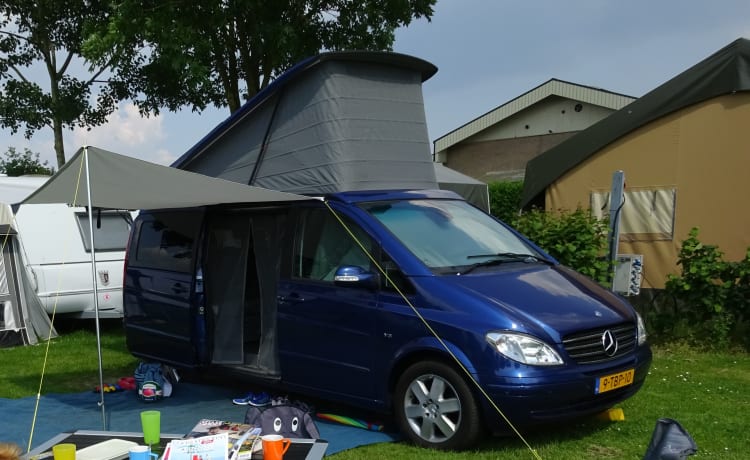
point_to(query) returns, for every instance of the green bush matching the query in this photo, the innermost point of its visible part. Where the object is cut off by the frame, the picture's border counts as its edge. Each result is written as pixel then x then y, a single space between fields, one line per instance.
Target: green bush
pixel 17 164
pixel 712 296
pixel 505 199
pixel 576 239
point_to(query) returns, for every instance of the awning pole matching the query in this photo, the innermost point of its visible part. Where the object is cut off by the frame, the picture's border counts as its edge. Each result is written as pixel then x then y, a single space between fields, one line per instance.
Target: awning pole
pixel 96 290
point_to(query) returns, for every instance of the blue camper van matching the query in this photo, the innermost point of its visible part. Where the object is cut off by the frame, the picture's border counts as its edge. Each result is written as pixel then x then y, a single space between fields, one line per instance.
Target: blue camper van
pixel 414 303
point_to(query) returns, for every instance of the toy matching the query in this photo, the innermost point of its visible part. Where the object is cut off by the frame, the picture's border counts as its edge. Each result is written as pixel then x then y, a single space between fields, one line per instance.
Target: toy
pixel 350 421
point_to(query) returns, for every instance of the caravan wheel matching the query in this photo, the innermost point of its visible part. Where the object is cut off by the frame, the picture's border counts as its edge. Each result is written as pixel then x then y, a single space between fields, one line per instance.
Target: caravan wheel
pixel 435 407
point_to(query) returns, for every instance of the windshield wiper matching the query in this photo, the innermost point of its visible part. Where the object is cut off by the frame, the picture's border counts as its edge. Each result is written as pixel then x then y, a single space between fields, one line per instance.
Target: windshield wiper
pixel 501 258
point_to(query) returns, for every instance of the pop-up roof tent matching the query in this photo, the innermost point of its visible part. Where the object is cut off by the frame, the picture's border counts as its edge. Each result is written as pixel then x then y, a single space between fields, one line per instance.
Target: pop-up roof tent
pixel 337 121
pixel 23 320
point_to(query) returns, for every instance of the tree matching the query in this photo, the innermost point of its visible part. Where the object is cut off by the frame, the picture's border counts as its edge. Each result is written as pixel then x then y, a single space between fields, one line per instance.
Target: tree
pixel 17 163
pixel 219 52
pixel 47 35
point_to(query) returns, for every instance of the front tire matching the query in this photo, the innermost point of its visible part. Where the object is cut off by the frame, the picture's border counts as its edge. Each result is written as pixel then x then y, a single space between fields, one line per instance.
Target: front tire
pixel 435 407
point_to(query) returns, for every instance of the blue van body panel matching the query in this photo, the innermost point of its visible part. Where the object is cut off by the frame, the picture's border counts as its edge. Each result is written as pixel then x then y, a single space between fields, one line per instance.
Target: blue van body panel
pixel 350 344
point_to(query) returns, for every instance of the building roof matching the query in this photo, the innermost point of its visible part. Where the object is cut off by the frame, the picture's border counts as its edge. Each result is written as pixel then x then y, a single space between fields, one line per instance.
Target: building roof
pixel 725 72
pixel 552 87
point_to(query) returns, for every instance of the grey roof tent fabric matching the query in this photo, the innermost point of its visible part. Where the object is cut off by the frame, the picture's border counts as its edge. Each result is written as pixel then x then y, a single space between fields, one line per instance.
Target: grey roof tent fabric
pixel 474 191
pixel 337 121
pixel 122 182
pixel 724 72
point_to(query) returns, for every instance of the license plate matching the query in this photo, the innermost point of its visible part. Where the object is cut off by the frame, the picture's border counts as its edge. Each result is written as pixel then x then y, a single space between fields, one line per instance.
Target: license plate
pixel 614 381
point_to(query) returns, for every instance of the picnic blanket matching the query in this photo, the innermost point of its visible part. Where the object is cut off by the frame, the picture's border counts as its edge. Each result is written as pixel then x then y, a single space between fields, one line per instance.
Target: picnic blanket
pixel 188 403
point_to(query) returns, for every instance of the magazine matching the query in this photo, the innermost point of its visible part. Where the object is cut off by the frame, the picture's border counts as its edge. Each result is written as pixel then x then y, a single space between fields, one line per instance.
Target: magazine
pixel 241 437
pixel 210 447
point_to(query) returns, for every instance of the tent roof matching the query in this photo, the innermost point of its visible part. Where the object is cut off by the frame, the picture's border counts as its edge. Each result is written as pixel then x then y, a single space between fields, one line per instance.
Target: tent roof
pixel 724 72
pixel 425 69
pixel 473 190
pixel 451 176
pixel 122 182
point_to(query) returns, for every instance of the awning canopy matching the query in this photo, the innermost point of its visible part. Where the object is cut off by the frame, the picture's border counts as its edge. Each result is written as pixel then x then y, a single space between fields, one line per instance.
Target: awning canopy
pixel 122 182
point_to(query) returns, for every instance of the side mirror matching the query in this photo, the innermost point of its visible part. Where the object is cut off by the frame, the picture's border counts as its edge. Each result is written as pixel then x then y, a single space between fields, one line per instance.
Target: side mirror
pixel 355 276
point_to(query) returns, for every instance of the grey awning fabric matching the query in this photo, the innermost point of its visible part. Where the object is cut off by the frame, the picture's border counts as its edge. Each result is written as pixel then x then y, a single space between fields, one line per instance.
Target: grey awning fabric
pixel 474 191
pixel 724 72
pixel 122 182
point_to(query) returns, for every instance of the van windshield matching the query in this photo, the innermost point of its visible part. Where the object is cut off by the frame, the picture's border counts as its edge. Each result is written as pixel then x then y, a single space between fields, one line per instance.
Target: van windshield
pixel 449 235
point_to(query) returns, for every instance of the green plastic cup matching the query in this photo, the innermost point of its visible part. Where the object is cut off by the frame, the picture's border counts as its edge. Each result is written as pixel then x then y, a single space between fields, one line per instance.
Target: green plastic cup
pixel 150 421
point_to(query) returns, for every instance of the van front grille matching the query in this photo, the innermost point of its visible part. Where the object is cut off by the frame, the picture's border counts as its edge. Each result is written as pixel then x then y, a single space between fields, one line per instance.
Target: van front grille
pixel 589 347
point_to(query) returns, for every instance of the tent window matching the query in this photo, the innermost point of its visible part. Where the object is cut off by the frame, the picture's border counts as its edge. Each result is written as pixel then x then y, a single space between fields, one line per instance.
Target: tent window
pixel 647 214
pixel 323 244
pixel 111 230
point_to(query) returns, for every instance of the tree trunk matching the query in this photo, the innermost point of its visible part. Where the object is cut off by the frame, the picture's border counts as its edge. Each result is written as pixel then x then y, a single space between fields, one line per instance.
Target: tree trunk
pixel 54 93
pixel 59 147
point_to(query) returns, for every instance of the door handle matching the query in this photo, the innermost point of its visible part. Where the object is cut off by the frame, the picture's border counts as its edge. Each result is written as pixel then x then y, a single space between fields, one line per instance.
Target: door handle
pixel 289 299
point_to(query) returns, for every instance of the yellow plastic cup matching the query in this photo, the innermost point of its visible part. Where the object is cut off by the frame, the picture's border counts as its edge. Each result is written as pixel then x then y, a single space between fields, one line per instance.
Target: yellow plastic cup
pixel 150 421
pixel 65 451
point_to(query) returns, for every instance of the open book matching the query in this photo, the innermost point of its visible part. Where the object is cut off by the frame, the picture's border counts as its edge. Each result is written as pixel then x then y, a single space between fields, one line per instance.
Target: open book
pixel 208 437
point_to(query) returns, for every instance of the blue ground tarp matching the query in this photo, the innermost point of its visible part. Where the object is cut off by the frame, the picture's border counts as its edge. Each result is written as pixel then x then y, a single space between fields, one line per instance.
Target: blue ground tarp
pixel 179 413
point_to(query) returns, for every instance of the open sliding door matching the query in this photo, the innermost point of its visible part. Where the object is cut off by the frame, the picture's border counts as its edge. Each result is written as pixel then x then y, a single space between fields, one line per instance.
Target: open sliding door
pixel 229 239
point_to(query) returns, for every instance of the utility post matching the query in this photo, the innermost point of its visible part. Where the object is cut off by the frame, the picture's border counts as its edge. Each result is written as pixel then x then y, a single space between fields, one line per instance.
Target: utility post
pixel 616 201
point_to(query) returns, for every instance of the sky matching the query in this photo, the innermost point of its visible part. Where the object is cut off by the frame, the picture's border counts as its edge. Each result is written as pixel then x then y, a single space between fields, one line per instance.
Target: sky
pixel 487 52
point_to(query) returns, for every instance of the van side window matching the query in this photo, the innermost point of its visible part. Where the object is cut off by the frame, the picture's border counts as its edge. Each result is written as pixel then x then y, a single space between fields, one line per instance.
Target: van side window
pixel 166 242
pixel 323 244
pixel 111 230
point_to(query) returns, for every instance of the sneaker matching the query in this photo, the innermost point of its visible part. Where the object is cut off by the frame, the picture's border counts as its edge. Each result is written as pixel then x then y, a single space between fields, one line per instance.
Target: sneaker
pixel 253 399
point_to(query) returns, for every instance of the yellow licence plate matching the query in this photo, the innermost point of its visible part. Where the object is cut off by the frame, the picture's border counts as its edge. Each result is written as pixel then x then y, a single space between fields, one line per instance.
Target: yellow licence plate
pixel 614 381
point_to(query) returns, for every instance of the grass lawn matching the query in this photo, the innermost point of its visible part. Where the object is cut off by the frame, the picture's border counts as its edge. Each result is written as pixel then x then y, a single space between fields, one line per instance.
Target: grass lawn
pixel 706 392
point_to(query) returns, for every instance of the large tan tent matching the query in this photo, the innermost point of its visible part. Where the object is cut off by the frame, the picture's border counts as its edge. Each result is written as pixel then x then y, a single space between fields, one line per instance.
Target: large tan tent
pixel 684 150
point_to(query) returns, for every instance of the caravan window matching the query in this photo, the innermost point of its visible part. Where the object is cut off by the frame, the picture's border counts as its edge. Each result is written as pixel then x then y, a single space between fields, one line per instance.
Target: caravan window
pixel 111 230
pixel 166 242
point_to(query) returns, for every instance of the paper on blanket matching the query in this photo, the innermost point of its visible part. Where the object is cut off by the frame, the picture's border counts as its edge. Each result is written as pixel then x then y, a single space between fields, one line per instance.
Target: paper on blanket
pixel 211 447
pixel 242 438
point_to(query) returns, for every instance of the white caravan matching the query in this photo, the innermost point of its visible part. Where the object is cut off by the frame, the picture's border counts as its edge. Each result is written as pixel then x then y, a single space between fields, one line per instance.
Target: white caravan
pixel 55 245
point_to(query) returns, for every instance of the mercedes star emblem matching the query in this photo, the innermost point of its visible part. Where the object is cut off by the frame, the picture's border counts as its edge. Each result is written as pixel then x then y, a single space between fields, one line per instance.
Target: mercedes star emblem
pixel 609 342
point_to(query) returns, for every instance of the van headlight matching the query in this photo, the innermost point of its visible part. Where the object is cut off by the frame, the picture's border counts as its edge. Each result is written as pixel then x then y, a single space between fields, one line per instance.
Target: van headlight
pixel 524 349
pixel 641 329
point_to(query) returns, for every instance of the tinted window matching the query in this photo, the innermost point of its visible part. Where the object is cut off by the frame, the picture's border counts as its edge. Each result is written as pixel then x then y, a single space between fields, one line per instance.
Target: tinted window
pixel 111 230
pixel 323 244
pixel 166 241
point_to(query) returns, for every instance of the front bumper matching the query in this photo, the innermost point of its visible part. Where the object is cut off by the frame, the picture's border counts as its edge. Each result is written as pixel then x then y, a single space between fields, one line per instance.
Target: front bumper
pixel 560 396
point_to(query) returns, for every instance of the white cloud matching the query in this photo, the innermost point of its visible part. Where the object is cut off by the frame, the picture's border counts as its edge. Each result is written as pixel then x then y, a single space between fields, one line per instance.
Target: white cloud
pixel 126 132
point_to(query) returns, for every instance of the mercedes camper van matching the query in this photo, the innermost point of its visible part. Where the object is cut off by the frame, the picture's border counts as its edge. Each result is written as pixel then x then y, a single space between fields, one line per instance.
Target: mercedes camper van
pixel 414 303
pixel 56 250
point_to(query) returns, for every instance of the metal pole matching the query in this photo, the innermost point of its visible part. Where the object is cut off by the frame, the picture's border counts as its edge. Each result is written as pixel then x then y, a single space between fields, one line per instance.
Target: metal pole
pixel 96 290
pixel 616 201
